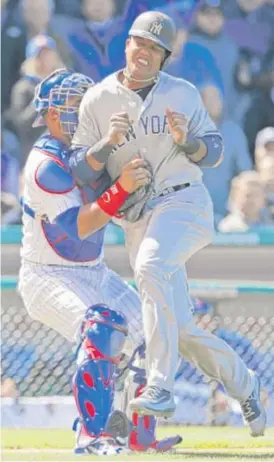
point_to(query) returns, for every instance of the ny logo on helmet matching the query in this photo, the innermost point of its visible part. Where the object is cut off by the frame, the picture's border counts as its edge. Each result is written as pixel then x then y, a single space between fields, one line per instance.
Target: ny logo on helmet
pixel 156 28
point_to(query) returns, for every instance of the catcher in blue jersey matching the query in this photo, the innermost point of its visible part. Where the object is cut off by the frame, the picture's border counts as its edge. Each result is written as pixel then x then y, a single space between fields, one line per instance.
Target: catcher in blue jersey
pixel 63 280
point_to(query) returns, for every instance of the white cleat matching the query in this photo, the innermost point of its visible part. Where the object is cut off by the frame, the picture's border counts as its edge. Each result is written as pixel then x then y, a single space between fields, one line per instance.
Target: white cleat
pixel 253 411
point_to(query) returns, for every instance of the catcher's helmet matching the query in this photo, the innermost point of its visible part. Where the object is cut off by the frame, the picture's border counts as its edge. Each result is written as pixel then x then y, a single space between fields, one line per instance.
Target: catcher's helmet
pixel 57 90
pixel 157 27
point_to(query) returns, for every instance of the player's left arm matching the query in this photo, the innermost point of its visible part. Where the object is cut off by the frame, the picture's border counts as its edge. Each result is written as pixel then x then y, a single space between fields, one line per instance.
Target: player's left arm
pixel 85 169
pixel 198 137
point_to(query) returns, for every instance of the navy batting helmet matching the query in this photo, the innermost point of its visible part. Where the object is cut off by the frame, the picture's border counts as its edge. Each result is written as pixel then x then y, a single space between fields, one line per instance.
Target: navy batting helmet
pixel 155 26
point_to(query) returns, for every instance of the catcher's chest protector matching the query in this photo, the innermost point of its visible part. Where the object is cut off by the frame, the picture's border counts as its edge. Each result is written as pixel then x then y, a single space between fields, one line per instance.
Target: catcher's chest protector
pixel 53 175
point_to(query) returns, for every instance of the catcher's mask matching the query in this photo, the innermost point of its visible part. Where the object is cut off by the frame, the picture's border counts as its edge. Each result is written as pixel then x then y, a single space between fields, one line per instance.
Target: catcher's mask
pixel 62 90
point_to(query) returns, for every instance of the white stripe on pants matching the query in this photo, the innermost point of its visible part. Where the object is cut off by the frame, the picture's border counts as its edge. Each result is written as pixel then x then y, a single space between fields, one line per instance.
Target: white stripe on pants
pixel 59 297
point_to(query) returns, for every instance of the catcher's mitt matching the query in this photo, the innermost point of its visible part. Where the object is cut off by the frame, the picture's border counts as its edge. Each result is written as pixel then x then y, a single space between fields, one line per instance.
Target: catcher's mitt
pixel 133 206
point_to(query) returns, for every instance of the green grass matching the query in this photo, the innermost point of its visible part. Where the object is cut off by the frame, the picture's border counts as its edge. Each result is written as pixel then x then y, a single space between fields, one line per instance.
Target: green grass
pixel 201 444
pixel 60 457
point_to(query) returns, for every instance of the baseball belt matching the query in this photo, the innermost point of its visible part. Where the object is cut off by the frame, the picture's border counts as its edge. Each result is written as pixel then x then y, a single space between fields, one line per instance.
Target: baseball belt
pixel 172 189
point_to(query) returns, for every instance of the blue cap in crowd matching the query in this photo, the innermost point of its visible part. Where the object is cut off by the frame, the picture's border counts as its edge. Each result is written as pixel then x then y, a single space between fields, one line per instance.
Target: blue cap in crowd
pixel 36 45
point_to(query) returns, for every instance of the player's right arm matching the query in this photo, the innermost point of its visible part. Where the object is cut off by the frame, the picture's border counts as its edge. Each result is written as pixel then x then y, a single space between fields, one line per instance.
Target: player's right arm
pixel 63 205
pixel 91 148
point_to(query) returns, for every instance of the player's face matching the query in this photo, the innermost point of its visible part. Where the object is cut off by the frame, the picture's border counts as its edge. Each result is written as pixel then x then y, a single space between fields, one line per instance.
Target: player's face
pixel 144 57
pixel 62 122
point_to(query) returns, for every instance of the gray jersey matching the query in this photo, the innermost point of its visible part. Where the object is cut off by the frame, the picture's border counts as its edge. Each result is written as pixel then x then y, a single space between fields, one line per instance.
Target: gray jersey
pixel 148 135
pixel 175 227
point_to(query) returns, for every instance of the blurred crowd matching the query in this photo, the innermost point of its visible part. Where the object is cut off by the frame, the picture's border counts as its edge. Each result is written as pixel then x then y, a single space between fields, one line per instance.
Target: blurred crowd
pixel 225 48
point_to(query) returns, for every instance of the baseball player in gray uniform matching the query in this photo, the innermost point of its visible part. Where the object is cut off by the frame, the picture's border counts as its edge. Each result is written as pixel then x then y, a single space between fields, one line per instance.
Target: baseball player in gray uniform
pixel 162 120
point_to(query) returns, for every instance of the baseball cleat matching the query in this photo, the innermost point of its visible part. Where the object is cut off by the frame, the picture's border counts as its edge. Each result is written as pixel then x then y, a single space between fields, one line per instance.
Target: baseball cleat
pixel 105 444
pixel 253 411
pixel 154 401
pixel 102 446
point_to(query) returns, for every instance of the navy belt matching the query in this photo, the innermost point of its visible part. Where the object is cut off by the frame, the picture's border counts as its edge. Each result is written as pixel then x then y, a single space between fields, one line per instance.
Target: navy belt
pixel 172 189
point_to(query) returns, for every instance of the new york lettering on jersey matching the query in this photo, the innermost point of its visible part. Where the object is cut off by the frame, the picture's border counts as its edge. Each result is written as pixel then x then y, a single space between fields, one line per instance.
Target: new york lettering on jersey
pixel 150 125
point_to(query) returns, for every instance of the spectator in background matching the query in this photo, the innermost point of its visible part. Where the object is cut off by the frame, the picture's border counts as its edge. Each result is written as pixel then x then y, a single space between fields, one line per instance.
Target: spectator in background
pixel 185 8
pixel 42 60
pixel 264 145
pixel 247 203
pixel 266 172
pixel 243 13
pixel 192 61
pixel 208 31
pixel 10 177
pixel 260 113
pixel 235 9
pixel 97 41
pixel 70 8
pixel 38 15
pixel 10 142
pixel 250 24
pixel 13 43
pixel 92 38
pixel 236 155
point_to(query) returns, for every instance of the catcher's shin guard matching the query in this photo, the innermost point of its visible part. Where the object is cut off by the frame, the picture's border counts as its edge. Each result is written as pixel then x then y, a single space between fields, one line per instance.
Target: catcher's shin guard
pixel 143 428
pixel 102 339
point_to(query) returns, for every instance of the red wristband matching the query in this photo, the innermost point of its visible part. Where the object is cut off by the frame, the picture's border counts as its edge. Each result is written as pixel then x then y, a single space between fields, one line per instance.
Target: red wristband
pixel 112 199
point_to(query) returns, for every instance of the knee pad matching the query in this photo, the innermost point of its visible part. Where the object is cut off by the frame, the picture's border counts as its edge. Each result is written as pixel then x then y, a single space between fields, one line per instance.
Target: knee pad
pixel 103 335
